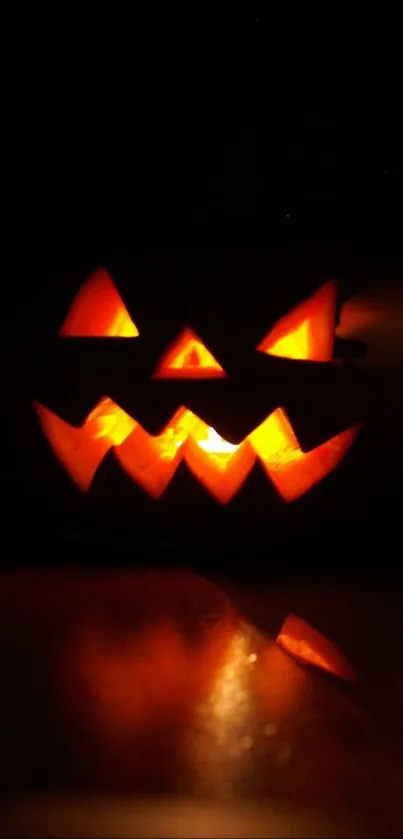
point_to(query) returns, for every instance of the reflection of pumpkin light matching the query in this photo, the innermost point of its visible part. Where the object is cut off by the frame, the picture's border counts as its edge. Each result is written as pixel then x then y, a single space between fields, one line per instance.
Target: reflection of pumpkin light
pixel 308 645
pixel 302 650
pixel 221 736
pixel 227 699
pixel 133 681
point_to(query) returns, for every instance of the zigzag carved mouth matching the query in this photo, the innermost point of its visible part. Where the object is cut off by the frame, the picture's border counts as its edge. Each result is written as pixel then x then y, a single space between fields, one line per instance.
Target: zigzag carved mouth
pixel 221 467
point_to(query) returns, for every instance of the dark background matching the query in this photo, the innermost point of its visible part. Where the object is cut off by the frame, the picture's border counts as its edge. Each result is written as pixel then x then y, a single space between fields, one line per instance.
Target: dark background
pixel 259 153
pixel 255 154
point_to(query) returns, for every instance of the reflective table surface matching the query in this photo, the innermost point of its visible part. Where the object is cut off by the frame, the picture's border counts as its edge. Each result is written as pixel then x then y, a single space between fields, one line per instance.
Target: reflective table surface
pixel 159 703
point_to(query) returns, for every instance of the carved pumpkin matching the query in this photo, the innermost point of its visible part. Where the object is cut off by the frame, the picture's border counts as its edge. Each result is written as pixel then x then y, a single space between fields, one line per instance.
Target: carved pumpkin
pixel 221 466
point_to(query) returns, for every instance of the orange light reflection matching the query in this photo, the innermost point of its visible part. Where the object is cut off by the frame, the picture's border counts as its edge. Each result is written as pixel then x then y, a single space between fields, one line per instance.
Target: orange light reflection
pixel 221 732
pixel 308 645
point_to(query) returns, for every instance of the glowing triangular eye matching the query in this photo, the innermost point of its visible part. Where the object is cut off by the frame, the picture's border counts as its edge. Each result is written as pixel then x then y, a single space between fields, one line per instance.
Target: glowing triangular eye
pixel 188 358
pixel 311 647
pixel 307 332
pixel 98 311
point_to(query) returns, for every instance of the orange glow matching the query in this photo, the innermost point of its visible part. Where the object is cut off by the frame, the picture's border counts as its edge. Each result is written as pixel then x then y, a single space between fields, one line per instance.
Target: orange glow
pixel 222 473
pixel 215 444
pixel 81 450
pixel 293 471
pixel 153 461
pixel 98 311
pixel 220 466
pixel 188 358
pixel 127 688
pixel 134 671
pixel 224 721
pixel 307 332
pixel 308 645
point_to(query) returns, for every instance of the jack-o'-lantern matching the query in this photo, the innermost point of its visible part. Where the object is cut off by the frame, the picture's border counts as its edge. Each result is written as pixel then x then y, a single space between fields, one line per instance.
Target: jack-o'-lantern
pixel 191 382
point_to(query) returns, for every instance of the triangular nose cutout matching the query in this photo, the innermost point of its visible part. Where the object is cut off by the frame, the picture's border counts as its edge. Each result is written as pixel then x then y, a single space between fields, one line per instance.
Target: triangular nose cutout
pixel 188 358
pixel 98 311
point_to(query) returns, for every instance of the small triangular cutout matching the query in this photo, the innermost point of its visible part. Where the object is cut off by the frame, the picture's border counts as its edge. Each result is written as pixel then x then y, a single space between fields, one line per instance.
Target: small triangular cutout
pixel 188 358
pixel 98 311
